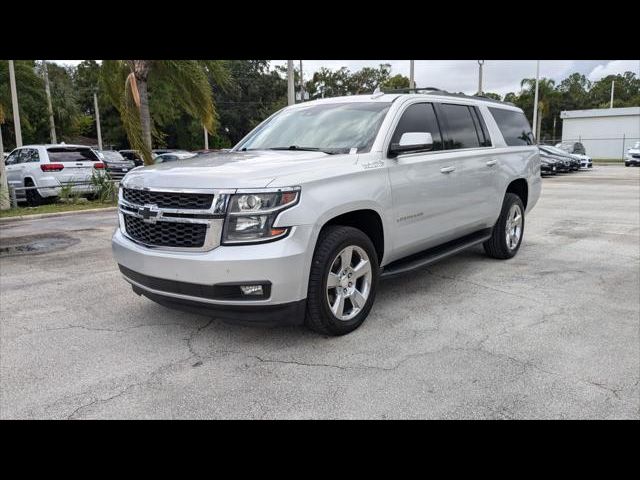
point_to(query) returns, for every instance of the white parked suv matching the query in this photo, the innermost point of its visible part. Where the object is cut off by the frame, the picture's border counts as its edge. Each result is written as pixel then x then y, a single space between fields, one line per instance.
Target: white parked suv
pixel 299 221
pixel 50 167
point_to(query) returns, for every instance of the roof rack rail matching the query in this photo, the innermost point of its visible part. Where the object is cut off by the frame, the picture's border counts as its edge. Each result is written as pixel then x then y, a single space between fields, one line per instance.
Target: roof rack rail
pixel 439 91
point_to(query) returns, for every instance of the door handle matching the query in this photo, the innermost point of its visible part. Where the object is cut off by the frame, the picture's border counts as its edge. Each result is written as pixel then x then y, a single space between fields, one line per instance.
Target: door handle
pixel 447 169
pixel 491 163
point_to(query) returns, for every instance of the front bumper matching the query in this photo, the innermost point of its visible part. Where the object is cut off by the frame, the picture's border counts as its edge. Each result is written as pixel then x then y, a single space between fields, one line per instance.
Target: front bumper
pixel 283 264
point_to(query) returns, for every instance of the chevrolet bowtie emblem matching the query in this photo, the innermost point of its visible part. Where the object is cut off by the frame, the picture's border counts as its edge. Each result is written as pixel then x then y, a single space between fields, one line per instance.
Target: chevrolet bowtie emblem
pixel 149 213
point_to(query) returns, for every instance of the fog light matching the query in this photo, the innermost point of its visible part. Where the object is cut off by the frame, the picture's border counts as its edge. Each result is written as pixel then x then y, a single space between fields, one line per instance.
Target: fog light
pixel 251 289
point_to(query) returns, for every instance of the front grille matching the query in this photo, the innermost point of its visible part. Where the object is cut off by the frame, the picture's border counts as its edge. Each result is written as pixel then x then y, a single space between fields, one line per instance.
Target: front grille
pixel 165 234
pixel 196 201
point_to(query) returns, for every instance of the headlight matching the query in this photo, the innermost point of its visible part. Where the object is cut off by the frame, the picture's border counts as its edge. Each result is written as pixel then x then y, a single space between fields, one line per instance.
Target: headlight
pixel 251 215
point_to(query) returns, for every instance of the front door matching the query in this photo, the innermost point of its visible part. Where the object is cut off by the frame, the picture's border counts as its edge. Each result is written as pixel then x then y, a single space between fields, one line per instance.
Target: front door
pixel 424 185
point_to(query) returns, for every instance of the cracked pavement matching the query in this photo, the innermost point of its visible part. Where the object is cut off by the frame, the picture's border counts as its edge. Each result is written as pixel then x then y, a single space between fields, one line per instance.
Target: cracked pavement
pixel 552 333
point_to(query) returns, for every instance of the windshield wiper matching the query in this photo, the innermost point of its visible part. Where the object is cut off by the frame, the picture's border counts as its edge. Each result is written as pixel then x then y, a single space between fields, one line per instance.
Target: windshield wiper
pixel 304 149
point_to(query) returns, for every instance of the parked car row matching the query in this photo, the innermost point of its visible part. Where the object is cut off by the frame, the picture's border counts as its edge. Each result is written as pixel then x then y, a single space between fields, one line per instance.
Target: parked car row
pixel 555 160
pixel 51 167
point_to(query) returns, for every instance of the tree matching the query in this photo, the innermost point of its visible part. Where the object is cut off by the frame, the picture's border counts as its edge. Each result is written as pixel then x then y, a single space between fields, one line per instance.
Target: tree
pixel 396 82
pixel 626 91
pixel 256 93
pixel 492 95
pixel 130 85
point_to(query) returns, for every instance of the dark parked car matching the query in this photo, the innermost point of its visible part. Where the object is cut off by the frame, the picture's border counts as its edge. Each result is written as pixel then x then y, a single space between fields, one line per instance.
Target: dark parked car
pixel 572 147
pixel 134 156
pixel 548 166
pixel 117 165
pixel 559 153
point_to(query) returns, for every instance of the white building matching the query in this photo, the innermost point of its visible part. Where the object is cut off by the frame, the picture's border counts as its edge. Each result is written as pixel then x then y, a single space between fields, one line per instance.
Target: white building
pixel 604 132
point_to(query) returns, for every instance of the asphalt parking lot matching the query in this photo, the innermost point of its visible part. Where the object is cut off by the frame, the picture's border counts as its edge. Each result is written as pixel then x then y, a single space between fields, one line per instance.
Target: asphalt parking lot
pixel 552 333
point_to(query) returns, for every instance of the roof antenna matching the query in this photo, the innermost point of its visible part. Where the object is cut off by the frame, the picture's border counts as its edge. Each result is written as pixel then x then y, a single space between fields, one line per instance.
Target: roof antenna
pixel 377 93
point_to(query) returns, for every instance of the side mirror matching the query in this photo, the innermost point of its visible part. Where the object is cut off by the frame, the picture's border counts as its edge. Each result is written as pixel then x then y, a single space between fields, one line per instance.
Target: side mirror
pixel 412 142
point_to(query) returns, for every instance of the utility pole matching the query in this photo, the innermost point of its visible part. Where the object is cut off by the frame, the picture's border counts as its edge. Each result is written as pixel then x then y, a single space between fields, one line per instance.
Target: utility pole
pixel 291 97
pixel 52 124
pixel 95 102
pixel 206 139
pixel 613 82
pixel 554 129
pixel 4 186
pixel 480 63
pixel 301 84
pixel 535 102
pixel 14 105
pixel 412 83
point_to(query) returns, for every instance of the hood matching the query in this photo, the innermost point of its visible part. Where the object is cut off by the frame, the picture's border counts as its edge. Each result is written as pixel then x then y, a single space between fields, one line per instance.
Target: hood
pixel 253 169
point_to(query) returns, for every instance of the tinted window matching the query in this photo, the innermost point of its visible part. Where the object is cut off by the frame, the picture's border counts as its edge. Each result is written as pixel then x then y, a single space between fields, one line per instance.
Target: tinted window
pixel 481 127
pixel 461 129
pixel 419 117
pixel 62 154
pixel 514 127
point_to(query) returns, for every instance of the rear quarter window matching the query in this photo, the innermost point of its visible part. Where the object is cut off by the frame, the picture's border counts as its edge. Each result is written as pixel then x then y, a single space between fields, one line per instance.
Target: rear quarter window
pixel 72 155
pixel 514 127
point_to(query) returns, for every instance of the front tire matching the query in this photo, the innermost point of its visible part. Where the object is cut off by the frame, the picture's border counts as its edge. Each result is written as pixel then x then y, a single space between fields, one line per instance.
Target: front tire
pixel 626 164
pixel 342 282
pixel 508 231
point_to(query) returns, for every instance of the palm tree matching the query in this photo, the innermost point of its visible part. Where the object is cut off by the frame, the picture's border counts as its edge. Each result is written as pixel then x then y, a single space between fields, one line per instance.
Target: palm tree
pixel 546 90
pixel 126 83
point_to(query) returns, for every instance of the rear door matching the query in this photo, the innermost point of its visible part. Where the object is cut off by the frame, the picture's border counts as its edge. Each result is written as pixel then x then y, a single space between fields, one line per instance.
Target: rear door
pixel 77 161
pixel 476 164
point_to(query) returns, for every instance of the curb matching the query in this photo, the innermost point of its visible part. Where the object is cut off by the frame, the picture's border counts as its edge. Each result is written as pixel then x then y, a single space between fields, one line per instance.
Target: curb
pixel 56 214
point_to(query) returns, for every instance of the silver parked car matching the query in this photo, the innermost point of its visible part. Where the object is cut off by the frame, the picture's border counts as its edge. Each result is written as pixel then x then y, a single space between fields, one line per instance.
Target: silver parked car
pixel 300 220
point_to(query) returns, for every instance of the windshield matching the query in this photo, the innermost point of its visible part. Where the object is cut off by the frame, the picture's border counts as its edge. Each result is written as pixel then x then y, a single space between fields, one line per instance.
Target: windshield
pixel 328 127
pixel 553 150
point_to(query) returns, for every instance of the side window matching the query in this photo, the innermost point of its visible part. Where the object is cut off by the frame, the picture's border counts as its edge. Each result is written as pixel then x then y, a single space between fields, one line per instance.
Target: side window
pixel 31 155
pixel 461 128
pixel 13 158
pixel 23 154
pixel 481 127
pixel 419 117
pixel 514 127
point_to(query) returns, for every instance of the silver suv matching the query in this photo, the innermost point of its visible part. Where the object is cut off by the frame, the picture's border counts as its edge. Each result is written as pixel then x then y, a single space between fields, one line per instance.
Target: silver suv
pixel 300 220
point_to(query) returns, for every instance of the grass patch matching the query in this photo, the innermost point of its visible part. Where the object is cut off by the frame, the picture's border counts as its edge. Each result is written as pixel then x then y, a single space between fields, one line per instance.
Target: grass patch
pixel 55 208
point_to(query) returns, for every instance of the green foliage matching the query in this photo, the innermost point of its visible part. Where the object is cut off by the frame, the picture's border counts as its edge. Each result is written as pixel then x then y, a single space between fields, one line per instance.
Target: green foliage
pixel 575 92
pixel 396 82
pixel 103 187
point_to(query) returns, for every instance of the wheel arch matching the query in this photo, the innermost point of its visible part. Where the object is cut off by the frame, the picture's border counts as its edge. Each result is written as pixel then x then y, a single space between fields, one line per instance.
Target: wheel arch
pixel 519 187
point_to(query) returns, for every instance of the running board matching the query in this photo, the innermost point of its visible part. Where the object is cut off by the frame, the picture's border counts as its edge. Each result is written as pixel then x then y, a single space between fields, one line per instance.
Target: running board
pixel 432 255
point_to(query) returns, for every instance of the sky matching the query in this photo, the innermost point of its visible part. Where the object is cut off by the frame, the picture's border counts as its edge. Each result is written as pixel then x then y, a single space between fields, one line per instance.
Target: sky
pixel 499 76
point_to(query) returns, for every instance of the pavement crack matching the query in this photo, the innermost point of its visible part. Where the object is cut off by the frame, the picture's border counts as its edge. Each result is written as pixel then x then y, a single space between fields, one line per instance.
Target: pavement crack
pixel 192 337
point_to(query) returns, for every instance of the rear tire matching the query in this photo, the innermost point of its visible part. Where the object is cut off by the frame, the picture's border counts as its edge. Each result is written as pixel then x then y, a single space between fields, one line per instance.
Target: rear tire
pixel 33 197
pixel 508 231
pixel 345 257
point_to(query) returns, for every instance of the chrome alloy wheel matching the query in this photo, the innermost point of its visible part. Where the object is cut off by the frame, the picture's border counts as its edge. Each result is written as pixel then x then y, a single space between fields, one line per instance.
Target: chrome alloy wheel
pixel 513 228
pixel 349 282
